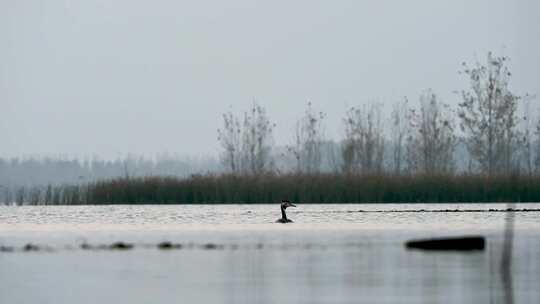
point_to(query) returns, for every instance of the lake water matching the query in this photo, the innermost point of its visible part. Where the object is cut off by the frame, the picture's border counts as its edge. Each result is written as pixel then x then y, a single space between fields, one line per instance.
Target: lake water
pixel 237 254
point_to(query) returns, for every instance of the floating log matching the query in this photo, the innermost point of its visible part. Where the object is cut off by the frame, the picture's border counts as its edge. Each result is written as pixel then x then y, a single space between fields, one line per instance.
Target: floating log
pixel 464 243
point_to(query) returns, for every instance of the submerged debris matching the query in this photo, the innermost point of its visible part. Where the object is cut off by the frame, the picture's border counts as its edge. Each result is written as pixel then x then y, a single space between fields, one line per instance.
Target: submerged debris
pixel 465 243
pixel 6 249
pixel 120 246
pixel 443 210
pixel 168 245
pixel 86 246
pixel 31 247
pixel 211 246
pixel 113 246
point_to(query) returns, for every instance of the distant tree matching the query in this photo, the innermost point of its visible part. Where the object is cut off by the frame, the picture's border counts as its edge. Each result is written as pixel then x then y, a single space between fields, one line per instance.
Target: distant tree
pixel 398 131
pixel 433 137
pixel 363 146
pixel 332 155
pixel 537 147
pixel 488 115
pixel 8 196
pixel 230 137
pixel 308 141
pixel 412 153
pixel 20 196
pixel 34 196
pixel 48 195
pixel 257 141
pixel 527 139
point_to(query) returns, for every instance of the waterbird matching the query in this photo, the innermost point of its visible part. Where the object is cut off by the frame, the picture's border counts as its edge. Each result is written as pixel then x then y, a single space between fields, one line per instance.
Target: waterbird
pixel 284 205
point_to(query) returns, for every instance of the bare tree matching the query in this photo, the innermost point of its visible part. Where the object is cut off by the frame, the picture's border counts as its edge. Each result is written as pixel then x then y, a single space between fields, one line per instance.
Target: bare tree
pixel 527 138
pixel 398 131
pixel 433 135
pixel 537 147
pixel 488 115
pixel 333 156
pixel 308 140
pixel 412 153
pixel 257 141
pixel 229 137
pixel 247 146
pixel 363 146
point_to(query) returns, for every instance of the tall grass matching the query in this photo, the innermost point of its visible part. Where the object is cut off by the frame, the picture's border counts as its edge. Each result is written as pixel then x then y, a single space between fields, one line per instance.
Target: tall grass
pixel 300 188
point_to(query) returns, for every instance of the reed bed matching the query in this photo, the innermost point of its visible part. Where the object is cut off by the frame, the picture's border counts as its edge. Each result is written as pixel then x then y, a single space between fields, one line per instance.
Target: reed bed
pixel 302 188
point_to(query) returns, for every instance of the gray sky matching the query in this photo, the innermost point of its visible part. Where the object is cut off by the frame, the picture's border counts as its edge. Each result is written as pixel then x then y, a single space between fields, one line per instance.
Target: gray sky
pixel 113 77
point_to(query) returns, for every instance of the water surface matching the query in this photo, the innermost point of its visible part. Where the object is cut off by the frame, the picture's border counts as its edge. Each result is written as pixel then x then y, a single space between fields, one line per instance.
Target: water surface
pixel 331 254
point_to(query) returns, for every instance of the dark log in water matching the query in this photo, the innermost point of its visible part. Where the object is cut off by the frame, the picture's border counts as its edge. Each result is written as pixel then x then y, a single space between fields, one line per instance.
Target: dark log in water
pixel 464 243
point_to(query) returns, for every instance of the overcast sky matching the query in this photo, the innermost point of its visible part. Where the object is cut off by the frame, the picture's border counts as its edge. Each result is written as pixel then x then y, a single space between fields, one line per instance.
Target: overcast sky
pixel 80 78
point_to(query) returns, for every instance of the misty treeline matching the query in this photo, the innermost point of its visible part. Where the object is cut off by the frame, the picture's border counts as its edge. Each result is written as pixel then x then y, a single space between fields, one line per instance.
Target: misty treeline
pixel 29 178
pixel 485 149
pixel 492 131
pixel 31 171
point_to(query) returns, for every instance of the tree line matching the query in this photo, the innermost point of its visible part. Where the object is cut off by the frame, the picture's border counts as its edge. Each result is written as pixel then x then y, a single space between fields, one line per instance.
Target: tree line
pixel 415 139
pixel 32 171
